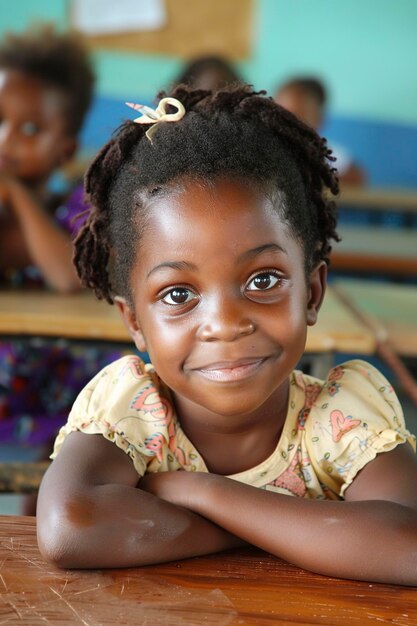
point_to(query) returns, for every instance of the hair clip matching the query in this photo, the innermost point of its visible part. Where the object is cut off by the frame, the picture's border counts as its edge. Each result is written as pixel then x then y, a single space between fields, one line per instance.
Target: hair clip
pixel 154 116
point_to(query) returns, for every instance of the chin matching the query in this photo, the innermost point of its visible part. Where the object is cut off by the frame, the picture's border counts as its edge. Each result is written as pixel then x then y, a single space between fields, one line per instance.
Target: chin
pixel 233 405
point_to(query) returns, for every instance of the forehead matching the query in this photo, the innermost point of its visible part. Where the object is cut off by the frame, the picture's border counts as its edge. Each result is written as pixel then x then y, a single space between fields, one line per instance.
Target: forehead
pixel 24 95
pixel 221 219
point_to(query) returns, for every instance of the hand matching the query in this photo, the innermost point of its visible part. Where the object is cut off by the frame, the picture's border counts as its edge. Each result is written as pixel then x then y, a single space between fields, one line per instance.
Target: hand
pixel 181 488
pixel 8 187
pixel 4 193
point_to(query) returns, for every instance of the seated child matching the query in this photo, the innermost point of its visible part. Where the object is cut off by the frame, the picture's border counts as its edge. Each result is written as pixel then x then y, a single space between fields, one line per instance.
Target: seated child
pixel 306 98
pixel 208 72
pixel 46 86
pixel 212 211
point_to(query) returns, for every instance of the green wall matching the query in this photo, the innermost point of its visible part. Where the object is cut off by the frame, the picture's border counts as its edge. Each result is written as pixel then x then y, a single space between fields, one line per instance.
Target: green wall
pixel 365 50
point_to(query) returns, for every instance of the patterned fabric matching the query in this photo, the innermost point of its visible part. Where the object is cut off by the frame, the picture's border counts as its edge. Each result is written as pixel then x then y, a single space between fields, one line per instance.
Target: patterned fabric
pixel 332 430
pixel 40 379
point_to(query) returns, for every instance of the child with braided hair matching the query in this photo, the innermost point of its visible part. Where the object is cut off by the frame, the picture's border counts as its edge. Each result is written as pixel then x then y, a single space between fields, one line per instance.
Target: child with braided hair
pixel 46 87
pixel 211 233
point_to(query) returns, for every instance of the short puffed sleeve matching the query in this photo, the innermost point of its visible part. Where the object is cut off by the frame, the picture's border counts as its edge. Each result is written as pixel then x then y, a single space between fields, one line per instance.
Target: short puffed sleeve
pixel 125 404
pixel 356 416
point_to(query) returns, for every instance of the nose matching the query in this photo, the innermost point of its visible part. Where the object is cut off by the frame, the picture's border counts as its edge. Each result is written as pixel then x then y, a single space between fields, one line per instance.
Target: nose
pixel 225 320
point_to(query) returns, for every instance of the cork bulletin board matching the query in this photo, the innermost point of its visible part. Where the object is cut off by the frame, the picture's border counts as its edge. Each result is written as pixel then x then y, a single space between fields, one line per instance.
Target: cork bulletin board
pixel 192 28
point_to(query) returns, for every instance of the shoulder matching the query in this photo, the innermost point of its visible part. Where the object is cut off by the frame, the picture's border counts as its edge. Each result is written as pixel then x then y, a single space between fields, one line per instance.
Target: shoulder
pixel 118 385
pixel 128 404
pixel 352 381
pixel 122 402
pixel 355 416
pixel 362 386
pixel 355 394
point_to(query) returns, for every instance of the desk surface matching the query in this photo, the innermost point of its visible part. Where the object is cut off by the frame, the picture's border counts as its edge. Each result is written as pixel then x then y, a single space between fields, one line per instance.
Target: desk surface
pixel 246 587
pixel 380 198
pixel 81 316
pixel 391 309
pixel 374 249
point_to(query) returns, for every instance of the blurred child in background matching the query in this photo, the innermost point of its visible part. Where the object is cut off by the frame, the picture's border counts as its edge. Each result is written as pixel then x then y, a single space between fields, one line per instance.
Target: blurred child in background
pixel 306 98
pixel 46 87
pixel 208 72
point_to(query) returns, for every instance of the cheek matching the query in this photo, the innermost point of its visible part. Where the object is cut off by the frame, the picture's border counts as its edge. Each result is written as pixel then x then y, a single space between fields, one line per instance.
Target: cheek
pixel 166 340
pixel 39 155
pixel 47 148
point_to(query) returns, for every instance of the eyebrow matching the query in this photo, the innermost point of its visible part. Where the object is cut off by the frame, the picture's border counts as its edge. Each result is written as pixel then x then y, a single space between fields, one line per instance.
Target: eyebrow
pixel 176 265
pixel 268 247
pixel 183 265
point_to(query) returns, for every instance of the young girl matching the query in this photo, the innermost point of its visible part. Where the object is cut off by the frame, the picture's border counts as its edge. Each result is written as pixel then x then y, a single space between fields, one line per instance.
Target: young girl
pixel 212 212
pixel 46 86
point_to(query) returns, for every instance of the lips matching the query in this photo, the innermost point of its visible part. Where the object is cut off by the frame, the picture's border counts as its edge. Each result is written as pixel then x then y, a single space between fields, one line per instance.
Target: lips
pixel 231 371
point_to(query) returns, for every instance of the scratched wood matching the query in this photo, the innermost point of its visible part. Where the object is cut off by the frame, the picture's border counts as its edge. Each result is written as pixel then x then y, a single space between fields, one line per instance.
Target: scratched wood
pixel 240 587
pixel 81 316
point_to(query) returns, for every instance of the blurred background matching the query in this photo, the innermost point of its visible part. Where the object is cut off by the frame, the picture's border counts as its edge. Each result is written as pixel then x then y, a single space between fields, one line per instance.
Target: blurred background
pixel 354 64
pixel 364 51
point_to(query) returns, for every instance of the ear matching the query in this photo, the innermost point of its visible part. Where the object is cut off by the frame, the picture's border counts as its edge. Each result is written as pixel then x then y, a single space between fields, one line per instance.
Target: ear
pixel 317 289
pixel 131 323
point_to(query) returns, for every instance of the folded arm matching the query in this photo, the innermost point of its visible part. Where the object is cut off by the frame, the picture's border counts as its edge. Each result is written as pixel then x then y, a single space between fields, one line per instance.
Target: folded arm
pixel 91 514
pixel 371 535
pixel 48 247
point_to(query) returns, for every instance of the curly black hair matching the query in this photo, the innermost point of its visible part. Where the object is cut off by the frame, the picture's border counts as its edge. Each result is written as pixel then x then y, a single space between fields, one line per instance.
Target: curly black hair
pixel 236 132
pixel 215 67
pixel 60 60
pixel 308 85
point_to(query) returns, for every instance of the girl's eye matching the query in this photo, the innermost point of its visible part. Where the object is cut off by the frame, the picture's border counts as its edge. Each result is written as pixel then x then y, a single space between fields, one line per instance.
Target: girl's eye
pixel 262 282
pixel 179 295
pixel 29 129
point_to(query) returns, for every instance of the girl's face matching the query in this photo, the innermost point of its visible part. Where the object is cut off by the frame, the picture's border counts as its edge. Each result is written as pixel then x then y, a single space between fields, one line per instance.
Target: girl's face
pixel 33 137
pixel 221 300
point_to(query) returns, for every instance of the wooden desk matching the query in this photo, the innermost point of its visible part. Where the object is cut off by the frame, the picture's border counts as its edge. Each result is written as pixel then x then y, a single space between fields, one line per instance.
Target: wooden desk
pixel 81 316
pixel 74 316
pixel 390 308
pixel 367 249
pixel 379 198
pixel 245 587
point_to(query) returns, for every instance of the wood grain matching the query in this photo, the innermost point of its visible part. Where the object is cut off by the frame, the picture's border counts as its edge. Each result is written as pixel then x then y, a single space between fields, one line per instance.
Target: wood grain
pixel 240 587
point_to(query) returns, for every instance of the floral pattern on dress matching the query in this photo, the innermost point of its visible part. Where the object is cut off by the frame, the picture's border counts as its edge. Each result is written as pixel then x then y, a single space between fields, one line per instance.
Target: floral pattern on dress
pixel 294 478
pixel 129 405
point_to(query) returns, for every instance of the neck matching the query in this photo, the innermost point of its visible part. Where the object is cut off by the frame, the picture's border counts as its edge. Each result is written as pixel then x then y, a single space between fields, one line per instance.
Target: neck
pixel 232 444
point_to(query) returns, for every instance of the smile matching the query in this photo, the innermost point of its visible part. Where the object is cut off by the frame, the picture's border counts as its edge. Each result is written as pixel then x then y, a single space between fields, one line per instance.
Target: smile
pixel 231 371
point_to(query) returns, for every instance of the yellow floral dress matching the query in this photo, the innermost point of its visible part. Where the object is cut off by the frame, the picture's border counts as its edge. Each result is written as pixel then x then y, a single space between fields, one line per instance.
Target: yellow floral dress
pixel 332 430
